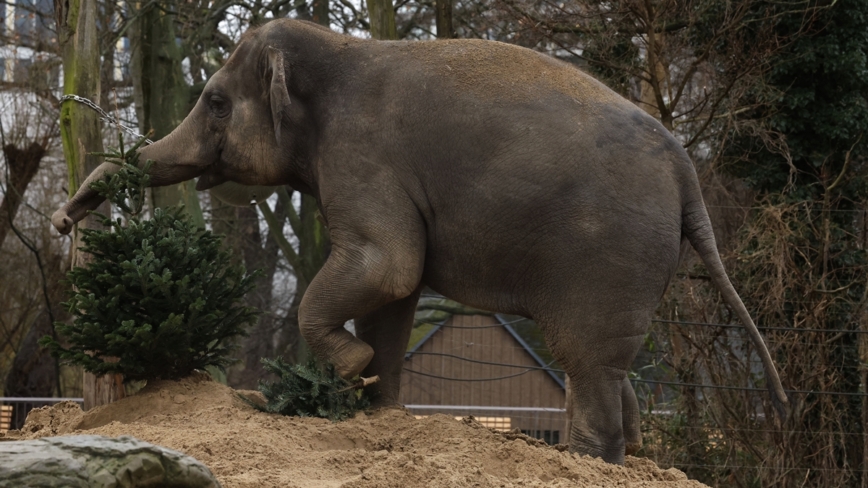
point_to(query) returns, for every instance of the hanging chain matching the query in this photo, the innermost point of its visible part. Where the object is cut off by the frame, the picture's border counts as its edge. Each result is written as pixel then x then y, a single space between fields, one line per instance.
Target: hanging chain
pixel 104 115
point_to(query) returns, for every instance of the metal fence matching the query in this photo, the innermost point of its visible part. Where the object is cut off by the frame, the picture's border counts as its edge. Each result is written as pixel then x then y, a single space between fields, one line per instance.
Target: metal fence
pixel 720 442
pixel 14 410
pixel 542 423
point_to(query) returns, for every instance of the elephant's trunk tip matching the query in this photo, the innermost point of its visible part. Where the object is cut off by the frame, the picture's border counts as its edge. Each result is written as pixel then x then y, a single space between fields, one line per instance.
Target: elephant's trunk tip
pixel 62 221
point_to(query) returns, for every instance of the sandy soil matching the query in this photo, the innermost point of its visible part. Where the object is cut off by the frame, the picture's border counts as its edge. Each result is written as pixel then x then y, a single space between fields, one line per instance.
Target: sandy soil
pixel 387 448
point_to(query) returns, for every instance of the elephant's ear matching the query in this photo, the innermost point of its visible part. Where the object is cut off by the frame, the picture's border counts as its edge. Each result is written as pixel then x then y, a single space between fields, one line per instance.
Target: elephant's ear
pixel 278 92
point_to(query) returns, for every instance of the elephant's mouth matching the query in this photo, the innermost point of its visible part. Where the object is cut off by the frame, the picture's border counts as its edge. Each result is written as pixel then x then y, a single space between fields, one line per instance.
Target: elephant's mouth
pixel 210 178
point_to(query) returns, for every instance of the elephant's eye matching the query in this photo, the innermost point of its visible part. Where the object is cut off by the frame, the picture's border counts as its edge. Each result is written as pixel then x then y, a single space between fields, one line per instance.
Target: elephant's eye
pixel 220 107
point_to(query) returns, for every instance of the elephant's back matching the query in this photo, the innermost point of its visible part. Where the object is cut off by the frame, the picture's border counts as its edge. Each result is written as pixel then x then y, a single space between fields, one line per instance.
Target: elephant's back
pixel 499 70
pixel 524 169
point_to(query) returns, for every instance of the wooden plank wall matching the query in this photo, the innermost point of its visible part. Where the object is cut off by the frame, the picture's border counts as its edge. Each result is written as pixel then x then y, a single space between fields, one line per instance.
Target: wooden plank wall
pixel 481 338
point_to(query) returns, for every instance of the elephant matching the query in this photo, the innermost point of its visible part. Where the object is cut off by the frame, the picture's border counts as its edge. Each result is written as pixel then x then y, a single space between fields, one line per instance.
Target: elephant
pixel 495 175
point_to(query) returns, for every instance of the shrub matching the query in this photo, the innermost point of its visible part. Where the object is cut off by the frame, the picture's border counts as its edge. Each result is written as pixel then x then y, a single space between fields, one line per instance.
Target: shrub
pixel 160 295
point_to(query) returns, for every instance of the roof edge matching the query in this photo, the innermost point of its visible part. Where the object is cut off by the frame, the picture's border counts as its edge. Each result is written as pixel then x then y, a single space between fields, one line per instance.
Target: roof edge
pixel 424 339
pixel 530 351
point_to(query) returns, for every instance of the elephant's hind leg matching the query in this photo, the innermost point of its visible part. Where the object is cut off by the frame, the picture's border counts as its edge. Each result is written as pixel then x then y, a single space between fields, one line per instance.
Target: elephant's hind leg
pixel 596 357
pixel 597 424
pixel 630 416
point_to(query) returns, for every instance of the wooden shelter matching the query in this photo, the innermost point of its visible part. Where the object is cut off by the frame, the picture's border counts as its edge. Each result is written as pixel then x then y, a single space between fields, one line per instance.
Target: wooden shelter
pixel 479 365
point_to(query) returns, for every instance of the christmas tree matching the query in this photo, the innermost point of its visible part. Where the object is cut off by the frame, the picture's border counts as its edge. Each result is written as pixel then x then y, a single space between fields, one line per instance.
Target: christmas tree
pixel 160 295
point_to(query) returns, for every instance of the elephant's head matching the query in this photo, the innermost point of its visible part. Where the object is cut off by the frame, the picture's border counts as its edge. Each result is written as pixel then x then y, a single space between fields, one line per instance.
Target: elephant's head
pixel 245 129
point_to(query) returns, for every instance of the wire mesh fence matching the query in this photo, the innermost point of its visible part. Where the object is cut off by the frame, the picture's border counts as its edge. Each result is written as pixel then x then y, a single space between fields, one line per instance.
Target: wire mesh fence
pixel 467 368
pixel 547 424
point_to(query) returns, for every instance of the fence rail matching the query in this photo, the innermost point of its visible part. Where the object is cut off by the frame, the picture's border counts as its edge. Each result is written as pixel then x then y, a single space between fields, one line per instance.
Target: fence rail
pixel 543 423
pixel 457 357
pixel 14 410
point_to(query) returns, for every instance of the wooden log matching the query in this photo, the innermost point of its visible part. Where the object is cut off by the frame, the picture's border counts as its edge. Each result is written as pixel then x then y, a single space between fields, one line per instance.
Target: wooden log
pixel 102 390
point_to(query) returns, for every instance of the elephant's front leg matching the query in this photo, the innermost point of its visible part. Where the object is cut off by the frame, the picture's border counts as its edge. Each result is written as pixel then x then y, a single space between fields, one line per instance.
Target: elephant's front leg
pixel 359 277
pixel 387 330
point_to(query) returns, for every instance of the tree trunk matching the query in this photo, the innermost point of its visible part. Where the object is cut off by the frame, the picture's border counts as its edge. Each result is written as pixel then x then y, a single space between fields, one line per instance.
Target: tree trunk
pixel 263 256
pixel 321 12
pixel 81 136
pixel 162 95
pixel 313 242
pixel 23 165
pixel 35 373
pixel 444 19
pixel 382 13
pixel 863 377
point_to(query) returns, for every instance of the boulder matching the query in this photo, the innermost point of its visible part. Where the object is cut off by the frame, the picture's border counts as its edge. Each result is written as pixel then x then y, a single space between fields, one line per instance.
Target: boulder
pixel 91 461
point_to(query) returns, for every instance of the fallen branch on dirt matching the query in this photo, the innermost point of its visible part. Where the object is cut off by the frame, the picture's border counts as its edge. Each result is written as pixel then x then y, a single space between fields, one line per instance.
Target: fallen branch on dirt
pixel 311 390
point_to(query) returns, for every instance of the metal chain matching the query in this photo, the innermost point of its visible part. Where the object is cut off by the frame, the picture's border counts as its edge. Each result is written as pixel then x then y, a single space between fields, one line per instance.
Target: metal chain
pixel 104 115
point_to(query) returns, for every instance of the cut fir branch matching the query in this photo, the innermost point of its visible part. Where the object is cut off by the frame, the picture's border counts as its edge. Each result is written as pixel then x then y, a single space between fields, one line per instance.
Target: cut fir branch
pixel 126 188
pixel 311 390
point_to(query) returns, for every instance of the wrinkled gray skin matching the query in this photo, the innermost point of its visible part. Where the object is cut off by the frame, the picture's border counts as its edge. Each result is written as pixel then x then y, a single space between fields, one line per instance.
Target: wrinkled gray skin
pixel 497 176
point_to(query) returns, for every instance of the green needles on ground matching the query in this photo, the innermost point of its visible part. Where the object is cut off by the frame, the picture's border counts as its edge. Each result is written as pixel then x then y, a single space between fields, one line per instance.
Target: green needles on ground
pixel 308 390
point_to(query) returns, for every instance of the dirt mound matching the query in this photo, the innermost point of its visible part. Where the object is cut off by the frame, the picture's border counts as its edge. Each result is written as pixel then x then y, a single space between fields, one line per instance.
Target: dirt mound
pixel 387 448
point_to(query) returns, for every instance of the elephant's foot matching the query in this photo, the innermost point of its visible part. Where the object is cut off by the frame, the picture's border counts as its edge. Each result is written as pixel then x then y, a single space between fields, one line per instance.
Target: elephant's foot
pixel 383 399
pixel 385 393
pixel 632 448
pixel 350 358
pixel 584 445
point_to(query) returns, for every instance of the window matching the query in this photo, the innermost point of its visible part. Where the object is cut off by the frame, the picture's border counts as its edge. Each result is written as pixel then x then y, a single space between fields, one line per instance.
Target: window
pixel 23 20
pixel 44 21
pixel 21 70
pixel 496 423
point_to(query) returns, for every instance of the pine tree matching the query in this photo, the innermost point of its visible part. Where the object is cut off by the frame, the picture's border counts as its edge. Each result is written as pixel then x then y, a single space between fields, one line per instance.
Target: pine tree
pixel 160 295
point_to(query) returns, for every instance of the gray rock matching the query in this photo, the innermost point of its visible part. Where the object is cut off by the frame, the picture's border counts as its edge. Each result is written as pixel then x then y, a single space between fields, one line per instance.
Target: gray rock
pixel 93 461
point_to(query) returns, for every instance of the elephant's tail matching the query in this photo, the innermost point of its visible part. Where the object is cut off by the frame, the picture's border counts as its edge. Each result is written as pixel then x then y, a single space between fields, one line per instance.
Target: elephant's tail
pixel 696 226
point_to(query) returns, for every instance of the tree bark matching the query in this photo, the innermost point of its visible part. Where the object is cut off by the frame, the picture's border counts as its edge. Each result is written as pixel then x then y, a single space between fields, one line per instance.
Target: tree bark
pixel 261 342
pixel 81 136
pixel 23 165
pixel 382 13
pixel 444 19
pixel 35 373
pixel 863 379
pixel 321 12
pixel 162 95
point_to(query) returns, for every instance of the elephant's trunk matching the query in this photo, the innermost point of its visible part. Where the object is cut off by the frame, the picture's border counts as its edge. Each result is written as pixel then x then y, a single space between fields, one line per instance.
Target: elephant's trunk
pixel 177 157
pixel 84 199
